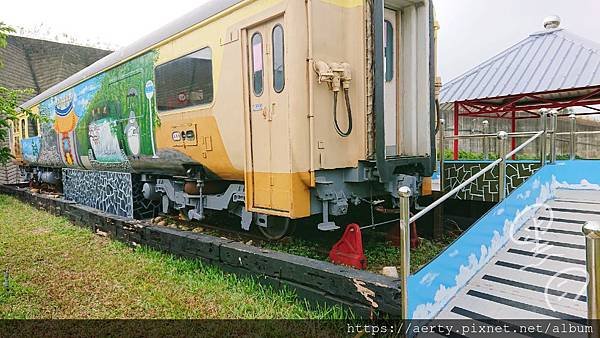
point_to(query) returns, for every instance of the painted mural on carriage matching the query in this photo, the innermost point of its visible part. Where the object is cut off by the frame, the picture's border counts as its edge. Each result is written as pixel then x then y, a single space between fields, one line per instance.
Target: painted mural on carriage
pixel 99 123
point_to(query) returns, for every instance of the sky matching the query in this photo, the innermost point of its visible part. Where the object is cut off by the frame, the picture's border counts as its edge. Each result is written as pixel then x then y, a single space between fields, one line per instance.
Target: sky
pixel 471 32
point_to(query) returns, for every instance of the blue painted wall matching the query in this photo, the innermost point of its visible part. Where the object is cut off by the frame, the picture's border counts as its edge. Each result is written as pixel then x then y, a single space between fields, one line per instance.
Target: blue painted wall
pixel 436 283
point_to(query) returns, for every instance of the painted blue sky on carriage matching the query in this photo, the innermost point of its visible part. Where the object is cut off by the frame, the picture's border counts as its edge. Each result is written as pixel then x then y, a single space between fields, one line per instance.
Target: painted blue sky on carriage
pixel 30 148
pixel 81 95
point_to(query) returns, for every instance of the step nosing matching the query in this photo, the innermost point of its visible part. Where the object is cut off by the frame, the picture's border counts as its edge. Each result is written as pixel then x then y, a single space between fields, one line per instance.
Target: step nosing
pixel 553 243
pixel 546 256
pixel 525 306
pixel 541 271
pixel 535 288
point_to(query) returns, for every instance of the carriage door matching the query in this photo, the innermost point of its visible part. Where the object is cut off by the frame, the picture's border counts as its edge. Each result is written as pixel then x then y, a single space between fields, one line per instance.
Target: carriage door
pixel 390 29
pixel 270 138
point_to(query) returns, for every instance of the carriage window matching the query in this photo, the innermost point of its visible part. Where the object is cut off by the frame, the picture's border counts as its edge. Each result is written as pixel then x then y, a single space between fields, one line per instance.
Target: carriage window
pixel 32 127
pixel 389 51
pixel 185 82
pixel 257 64
pixel 278 59
pixel 22 128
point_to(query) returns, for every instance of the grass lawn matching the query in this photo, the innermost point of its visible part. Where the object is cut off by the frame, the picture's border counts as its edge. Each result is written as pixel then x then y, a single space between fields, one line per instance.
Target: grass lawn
pixel 379 253
pixel 58 270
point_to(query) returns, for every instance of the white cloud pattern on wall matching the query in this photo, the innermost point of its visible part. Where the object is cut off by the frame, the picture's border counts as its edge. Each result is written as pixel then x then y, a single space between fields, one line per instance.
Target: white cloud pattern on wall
pixel 466 272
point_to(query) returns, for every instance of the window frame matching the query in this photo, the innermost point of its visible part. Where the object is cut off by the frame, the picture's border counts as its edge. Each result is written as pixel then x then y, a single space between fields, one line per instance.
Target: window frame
pixel 32 125
pixel 23 126
pixel 280 26
pixel 262 52
pixel 212 78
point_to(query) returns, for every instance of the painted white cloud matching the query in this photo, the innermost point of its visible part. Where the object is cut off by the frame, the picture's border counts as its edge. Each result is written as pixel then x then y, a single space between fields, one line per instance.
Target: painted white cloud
pixel 466 272
pixel 525 195
pixel 428 278
pixel 444 294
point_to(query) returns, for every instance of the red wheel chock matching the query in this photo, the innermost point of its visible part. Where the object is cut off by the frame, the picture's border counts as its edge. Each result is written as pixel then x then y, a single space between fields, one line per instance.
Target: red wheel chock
pixel 349 249
pixel 393 236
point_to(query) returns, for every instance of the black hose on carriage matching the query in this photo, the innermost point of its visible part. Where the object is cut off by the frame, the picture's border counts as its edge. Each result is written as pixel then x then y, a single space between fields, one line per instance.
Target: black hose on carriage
pixel 348 110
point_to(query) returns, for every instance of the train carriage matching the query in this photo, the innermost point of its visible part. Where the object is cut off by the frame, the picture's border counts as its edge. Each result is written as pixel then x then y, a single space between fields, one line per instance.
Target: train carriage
pixel 273 110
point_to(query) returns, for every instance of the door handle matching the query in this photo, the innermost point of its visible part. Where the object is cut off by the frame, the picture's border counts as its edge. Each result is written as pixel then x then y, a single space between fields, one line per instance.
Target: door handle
pixel 272 112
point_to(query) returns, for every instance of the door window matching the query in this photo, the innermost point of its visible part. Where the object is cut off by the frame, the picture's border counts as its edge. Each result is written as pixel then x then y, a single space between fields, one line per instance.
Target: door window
pixel 389 51
pixel 257 64
pixel 278 59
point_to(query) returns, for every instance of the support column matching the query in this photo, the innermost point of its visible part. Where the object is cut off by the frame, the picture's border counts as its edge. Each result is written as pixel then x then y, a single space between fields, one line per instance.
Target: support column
pixel 573 138
pixel 513 129
pixel 455 130
pixel 485 143
pixel 502 167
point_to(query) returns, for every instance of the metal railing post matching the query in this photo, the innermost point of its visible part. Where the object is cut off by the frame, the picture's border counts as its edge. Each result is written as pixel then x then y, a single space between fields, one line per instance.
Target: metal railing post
pixel 554 120
pixel 404 193
pixel 486 154
pixel 544 115
pixel 591 230
pixel 502 137
pixel 573 138
pixel 441 150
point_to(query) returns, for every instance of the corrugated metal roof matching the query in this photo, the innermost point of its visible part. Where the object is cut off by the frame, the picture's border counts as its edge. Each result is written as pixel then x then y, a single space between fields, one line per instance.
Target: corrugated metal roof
pixel 545 61
pixel 190 19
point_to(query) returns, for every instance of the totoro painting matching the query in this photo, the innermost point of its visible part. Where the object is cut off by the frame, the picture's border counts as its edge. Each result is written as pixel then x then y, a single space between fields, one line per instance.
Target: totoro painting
pixel 102 123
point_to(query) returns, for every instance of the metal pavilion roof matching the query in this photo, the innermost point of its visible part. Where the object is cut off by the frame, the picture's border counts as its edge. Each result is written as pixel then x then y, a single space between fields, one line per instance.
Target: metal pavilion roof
pixel 548 61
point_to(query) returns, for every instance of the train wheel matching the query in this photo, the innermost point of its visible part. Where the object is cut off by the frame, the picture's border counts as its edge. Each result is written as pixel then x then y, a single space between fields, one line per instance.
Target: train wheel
pixel 277 228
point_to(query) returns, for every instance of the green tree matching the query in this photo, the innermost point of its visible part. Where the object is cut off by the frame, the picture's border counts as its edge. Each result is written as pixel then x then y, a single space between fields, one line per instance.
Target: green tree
pixel 9 102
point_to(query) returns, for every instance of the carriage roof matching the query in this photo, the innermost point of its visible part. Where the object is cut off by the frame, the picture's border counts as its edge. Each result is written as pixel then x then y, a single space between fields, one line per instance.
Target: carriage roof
pixel 188 20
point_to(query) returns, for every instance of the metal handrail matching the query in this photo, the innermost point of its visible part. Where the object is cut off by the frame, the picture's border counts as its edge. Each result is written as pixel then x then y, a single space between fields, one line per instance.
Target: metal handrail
pixel 586 132
pixel 516 134
pixel 405 193
pixel 474 177
pixel 521 134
